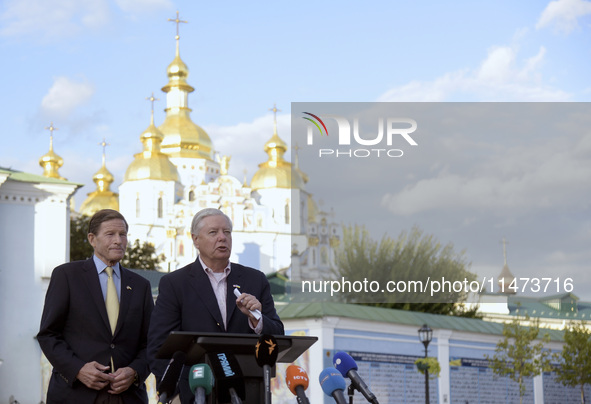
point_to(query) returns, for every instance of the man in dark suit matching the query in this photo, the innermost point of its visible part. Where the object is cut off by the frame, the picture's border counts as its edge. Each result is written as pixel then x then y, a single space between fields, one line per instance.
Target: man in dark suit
pixel 95 323
pixel 200 297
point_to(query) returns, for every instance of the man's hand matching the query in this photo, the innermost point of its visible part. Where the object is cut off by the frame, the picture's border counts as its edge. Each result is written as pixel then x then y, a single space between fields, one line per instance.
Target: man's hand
pixel 245 303
pixel 122 379
pixel 92 375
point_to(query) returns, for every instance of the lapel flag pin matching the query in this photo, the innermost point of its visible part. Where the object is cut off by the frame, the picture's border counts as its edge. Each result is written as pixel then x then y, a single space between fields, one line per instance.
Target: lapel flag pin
pixel 128 287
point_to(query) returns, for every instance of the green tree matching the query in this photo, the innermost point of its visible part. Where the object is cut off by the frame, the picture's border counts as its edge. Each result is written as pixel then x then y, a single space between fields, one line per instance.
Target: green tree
pixel 517 356
pixel 411 259
pixel 80 248
pixel 142 256
pixel 137 256
pixel 575 358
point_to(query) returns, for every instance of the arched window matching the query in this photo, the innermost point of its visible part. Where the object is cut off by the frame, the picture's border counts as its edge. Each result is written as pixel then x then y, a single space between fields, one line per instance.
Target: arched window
pixel 137 206
pixel 191 196
pixel 160 210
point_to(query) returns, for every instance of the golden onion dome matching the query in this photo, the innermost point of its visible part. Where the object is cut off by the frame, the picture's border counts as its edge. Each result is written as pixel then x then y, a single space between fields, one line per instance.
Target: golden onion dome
pixel 182 137
pixel 177 72
pixel 276 172
pixel 96 202
pixel 103 197
pixel 51 162
pixel 151 164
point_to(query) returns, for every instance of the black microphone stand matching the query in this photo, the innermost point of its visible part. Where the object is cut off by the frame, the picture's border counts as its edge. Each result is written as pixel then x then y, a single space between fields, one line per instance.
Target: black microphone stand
pixel 350 393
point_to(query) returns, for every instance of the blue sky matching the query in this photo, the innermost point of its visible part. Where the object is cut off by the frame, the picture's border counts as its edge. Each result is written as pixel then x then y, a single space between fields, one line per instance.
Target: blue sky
pixel 88 67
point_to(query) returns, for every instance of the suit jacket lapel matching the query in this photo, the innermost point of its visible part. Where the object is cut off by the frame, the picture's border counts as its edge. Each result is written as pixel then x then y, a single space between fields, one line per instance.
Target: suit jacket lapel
pixel 94 289
pixel 201 283
pixel 234 279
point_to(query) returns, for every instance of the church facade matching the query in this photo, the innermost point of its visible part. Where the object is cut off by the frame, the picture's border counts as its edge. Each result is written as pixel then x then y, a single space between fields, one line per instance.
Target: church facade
pixel 178 173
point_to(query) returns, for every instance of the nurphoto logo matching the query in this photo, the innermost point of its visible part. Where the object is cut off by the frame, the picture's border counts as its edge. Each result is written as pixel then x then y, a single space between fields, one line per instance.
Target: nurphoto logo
pixel 379 143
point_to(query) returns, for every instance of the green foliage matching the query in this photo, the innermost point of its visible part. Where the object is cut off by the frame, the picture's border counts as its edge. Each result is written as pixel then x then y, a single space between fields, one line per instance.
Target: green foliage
pixel 517 356
pixel 137 256
pixel 413 256
pixel 142 256
pixel 431 364
pixel 80 248
pixel 575 358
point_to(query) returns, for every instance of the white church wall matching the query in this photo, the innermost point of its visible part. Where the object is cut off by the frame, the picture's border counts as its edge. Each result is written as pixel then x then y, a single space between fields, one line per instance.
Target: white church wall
pixel 34 234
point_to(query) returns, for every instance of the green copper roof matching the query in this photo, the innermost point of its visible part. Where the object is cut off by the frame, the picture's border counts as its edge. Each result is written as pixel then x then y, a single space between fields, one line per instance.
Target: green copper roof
pixel 292 311
pixel 20 176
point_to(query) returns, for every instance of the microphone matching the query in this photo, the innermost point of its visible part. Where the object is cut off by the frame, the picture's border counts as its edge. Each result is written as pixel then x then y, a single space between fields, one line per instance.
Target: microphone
pixel 256 313
pixel 200 382
pixel 297 382
pixel 228 377
pixel 266 352
pixel 348 368
pixel 170 378
pixel 333 384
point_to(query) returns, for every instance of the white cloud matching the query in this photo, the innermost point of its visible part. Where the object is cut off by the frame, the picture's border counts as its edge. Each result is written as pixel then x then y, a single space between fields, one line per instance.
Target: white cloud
pixel 245 142
pixel 64 96
pixel 49 19
pixel 564 14
pixel 526 178
pixel 500 77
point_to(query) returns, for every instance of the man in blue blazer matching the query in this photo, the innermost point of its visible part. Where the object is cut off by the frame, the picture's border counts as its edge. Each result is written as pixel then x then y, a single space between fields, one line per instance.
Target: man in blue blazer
pixel 200 297
pixel 92 362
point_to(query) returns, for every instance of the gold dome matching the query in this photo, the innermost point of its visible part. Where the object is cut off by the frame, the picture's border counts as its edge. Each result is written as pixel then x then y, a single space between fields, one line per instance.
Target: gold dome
pixel 151 164
pixel 51 162
pixel 177 72
pixel 276 172
pixel 182 137
pixel 103 197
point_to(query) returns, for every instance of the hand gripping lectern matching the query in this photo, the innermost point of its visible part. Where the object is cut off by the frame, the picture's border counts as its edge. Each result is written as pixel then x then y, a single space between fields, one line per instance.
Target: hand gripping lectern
pixel 200 346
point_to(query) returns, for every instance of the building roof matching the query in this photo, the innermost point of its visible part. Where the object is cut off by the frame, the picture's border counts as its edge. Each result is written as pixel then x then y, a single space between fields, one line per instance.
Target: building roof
pixel 21 176
pixel 368 313
pixel 565 306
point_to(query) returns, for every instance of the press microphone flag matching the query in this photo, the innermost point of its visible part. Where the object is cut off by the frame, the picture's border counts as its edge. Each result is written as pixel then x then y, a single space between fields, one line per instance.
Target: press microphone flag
pixel 200 382
pixel 170 378
pixel 266 352
pixel 333 384
pixel 229 382
pixel 345 364
pixel 297 382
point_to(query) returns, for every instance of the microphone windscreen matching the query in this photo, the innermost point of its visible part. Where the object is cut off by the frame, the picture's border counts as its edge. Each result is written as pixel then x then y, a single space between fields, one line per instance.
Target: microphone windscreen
pixel 331 380
pixel 200 376
pixel 266 350
pixel 227 374
pixel 171 374
pixel 296 376
pixel 344 363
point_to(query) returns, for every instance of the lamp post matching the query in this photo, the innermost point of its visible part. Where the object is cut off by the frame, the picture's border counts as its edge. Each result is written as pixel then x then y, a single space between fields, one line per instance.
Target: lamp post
pixel 425 336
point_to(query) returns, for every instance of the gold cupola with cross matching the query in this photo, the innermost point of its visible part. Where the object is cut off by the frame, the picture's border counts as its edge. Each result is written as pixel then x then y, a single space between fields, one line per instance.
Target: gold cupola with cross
pixel 182 137
pixel 151 163
pixel 276 172
pixel 102 197
pixel 50 161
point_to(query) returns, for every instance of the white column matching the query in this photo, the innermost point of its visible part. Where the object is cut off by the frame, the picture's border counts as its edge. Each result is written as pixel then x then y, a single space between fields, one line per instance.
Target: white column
pixel 443 358
pixel 539 389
